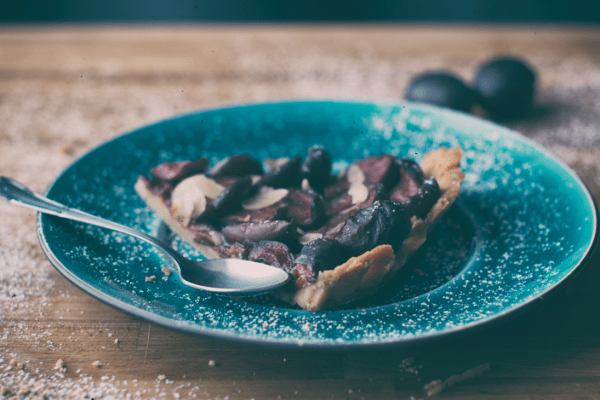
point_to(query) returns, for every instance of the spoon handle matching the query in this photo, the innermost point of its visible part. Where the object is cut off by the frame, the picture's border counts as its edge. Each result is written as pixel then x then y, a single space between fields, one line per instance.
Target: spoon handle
pixel 17 194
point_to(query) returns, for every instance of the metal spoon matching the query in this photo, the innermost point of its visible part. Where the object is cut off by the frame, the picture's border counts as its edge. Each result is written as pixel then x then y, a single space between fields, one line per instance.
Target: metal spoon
pixel 225 276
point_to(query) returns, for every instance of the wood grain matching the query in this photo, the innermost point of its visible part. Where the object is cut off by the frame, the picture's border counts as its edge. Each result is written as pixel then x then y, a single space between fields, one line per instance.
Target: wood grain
pixel 66 89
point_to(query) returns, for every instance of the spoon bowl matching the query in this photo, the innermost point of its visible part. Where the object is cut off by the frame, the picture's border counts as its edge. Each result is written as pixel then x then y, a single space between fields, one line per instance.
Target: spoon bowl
pixel 228 276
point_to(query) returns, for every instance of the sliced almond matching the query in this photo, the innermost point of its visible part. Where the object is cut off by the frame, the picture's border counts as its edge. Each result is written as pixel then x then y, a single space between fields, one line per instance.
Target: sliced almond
pixel 188 200
pixel 217 238
pixel 355 174
pixel 218 166
pixel 359 192
pixel 309 237
pixel 265 197
pixel 274 163
pixel 306 185
pixel 210 188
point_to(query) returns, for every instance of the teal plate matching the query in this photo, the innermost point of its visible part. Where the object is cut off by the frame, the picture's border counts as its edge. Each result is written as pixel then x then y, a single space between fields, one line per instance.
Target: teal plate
pixel 524 222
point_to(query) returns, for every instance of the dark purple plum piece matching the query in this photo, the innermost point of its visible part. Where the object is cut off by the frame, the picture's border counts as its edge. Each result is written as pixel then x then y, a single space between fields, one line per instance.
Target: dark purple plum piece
pixel 337 205
pixel 228 199
pixel 411 168
pixel 270 213
pixel 336 188
pixel 237 165
pixel 272 253
pixel 180 169
pixel 317 168
pixel 257 231
pixel 383 222
pixel 411 179
pixel 333 227
pixel 335 223
pixel 421 202
pixel 284 176
pixel 376 192
pixel 321 254
pixel 380 169
pixel 306 208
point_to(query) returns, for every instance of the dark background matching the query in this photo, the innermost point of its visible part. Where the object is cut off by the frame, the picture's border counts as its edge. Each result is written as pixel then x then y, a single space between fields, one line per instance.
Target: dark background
pixel 20 11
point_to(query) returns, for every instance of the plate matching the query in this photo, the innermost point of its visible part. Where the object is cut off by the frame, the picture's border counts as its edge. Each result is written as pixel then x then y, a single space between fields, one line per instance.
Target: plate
pixel 524 222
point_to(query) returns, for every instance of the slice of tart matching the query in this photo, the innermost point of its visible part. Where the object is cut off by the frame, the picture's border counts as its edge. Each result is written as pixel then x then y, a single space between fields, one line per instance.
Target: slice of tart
pixel 340 236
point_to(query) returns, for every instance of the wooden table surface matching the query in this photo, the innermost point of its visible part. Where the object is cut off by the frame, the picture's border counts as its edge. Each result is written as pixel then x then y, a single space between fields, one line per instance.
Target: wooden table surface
pixel 66 89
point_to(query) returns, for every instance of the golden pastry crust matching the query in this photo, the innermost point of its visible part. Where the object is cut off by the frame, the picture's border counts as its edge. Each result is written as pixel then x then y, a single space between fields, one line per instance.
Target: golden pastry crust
pixel 359 276
pixel 339 285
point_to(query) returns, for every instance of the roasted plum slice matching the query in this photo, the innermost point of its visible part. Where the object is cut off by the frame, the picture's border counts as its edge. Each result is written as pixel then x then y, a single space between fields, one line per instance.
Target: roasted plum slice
pixel 338 204
pixel 178 170
pixel 412 168
pixel 284 176
pixel 318 255
pixel 383 222
pixel 339 215
pixel 238 165
pixel 321 254
pixel 336 188
pixel 273 253
pixel 411 179
pixel 273 212
pixel 380 169
pixel 306 208
pixel 344 205
pixel 256 231
pixel 228 199
pixel 421 202
pixel 317 168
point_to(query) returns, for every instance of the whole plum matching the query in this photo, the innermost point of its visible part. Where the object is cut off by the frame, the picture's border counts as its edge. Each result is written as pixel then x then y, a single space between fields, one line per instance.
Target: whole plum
pixel 505 87
pixel 442 89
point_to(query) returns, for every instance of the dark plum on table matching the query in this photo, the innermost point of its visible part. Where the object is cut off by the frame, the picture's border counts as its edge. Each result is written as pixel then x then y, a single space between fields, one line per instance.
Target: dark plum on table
pixel 441 89
pixel 505 87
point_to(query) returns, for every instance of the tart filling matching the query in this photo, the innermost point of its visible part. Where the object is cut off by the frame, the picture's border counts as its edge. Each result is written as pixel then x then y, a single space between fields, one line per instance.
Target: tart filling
pixel 339 236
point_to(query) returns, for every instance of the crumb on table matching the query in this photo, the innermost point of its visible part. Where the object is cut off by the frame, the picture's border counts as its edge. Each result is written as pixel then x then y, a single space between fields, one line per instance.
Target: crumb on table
pixel 60 365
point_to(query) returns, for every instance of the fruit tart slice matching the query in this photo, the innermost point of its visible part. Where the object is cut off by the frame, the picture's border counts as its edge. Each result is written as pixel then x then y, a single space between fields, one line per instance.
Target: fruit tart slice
pixel 340 236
